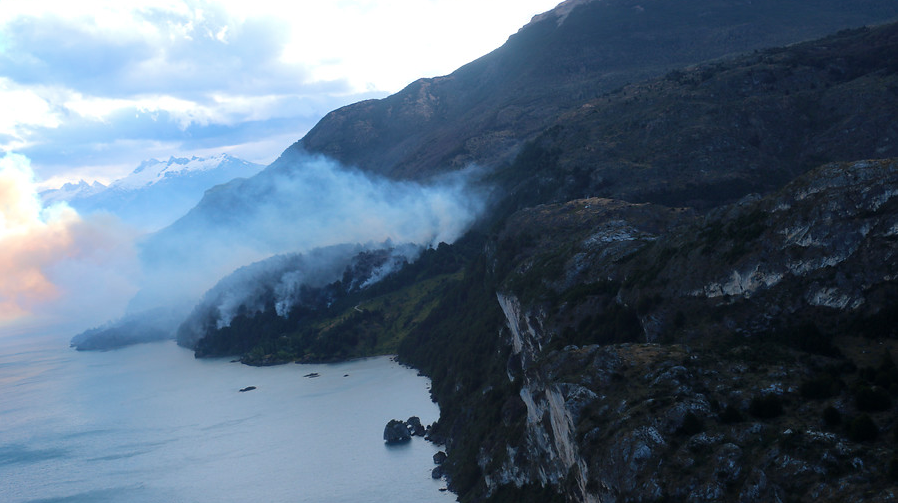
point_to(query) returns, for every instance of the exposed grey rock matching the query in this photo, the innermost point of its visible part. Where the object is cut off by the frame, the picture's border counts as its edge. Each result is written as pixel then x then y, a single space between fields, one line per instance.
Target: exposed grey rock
pixel 708 492
pixel 755 488
pixel 728 463
pixel 703 441
pixel 576 398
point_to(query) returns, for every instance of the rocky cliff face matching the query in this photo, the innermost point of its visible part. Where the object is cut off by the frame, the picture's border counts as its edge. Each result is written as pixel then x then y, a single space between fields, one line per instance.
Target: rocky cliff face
pixel 549 424
pixel 824 242
pixel 644 422
pixel 720 412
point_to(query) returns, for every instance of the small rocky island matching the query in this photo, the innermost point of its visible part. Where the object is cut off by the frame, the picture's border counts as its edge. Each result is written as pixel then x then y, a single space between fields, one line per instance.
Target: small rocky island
pixel 397 431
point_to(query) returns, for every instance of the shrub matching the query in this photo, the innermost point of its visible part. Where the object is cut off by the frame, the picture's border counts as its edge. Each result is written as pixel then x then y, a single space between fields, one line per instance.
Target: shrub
pixel 765 407
pixel 731 415
pixel 692 425
pixel 807 337
pixel 862 429
pixel 832 416
pixel 819 388
pixel 870 399
pixel 679 320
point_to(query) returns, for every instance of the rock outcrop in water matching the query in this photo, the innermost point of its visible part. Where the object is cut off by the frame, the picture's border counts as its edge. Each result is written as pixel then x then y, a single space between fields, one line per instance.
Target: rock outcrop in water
pixel 415 427
pixel 396 431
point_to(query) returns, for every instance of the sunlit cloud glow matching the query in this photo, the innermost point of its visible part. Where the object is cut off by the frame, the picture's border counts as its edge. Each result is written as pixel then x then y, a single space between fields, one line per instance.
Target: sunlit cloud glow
pixel 50 254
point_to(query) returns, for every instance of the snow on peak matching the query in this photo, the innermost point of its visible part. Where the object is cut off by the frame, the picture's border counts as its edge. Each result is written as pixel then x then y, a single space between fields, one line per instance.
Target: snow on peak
pixel 71 191
pixel 153 171
pixel 157 192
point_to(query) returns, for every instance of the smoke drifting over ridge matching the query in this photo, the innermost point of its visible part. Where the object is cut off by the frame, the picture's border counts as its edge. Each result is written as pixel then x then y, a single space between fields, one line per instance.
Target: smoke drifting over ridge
pixel 57 264
pixel 299 203
pixel 310 281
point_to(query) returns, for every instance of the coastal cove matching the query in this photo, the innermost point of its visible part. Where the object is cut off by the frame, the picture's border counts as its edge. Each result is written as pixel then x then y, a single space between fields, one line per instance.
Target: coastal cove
pixel 150 423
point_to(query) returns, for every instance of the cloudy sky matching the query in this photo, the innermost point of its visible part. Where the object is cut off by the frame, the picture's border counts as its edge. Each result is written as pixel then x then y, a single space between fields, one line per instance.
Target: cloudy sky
pixel 90 89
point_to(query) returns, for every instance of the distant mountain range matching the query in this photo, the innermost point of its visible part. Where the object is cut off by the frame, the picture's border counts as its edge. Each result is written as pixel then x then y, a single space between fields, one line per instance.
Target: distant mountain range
pixel 156 193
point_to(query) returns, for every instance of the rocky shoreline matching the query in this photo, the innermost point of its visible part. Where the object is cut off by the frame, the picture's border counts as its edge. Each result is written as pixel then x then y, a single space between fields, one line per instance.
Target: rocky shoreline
pixel 397 431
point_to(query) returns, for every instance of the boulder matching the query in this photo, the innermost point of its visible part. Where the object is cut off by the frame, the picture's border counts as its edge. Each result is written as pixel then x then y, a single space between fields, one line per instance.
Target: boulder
pixel 439 458
pixel 415 427
pixel 396 431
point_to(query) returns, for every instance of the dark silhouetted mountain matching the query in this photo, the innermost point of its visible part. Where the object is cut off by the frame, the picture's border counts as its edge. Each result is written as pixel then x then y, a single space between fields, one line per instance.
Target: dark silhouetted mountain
pixel 482 112
pixel 709 134
pixel 647 350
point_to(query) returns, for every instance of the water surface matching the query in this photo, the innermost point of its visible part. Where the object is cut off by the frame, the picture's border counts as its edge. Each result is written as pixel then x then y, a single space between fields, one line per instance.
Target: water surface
pixel 150 423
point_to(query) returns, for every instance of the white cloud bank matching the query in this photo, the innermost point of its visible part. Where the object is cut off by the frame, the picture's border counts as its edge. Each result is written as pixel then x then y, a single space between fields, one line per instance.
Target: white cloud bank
pixel 95 86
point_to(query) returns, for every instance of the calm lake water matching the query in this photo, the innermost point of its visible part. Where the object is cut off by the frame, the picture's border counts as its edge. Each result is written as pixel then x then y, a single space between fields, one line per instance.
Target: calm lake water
pixel 150 423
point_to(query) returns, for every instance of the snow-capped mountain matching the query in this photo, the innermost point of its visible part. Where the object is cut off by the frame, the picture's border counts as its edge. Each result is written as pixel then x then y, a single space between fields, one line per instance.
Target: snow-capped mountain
pixel 157 192
pixel 71 191
pixel 152 171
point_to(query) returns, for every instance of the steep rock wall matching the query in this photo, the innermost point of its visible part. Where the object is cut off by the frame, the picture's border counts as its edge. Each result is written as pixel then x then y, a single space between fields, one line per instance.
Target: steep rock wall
pixel 549 439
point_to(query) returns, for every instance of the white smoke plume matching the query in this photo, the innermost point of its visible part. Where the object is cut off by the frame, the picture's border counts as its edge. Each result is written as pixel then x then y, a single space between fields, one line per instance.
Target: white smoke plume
pixel 299 204
pixel 311 280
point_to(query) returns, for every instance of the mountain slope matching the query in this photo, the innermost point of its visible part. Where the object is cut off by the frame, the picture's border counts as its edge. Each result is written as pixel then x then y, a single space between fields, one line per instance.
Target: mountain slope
pixel 712 133
pixel 584 49
pixel 573 157
pixel 761 298
pixel 768 371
